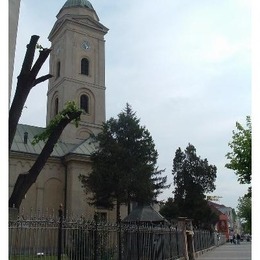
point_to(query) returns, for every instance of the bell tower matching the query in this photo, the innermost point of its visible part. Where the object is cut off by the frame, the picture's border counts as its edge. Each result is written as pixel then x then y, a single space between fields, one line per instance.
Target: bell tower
pixel 77 63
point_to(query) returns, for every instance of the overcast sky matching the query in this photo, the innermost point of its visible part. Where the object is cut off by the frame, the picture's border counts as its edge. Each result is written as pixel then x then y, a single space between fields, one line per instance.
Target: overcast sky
pixel 183 65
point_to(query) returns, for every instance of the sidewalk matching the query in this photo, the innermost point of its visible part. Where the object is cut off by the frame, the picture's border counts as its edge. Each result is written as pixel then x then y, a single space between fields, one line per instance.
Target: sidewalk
pixel 229 252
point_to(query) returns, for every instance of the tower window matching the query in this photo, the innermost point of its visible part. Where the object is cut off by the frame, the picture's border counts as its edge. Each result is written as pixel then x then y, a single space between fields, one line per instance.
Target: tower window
pixel 58 69
pixel 85 66
pixel 84 103
pixel 56 106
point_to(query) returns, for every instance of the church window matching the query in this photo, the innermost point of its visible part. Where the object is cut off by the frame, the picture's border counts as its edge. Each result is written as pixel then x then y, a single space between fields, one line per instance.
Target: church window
pixel 84 103
pixel 58 69
pixel 85 66
pixel 56 106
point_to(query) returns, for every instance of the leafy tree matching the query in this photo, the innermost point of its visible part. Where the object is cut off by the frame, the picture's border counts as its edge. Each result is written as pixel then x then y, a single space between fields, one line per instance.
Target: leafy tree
pixel 124 164
pixel 240 156
pixel 244 212
pixel 193 177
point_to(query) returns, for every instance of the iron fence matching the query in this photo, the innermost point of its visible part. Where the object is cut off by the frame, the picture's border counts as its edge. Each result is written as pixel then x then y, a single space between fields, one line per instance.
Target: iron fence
pixel 80 239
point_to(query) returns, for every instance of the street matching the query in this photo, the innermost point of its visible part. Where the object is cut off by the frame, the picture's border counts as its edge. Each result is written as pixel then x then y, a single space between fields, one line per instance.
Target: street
pixel 229 252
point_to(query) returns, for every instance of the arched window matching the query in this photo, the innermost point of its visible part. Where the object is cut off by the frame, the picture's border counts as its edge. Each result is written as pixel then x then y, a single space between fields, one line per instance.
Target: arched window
pixel 85 66
pixel 56 106
pixel 84 103
pixel 58 69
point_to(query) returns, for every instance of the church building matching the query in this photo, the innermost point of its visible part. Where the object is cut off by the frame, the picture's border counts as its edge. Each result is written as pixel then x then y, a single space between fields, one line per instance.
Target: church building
pixel 77 63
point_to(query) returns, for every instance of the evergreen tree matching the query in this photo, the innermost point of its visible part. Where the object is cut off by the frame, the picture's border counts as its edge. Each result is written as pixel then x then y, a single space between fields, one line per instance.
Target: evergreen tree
pixel 169 210
pixel 193 177
pixel 124 164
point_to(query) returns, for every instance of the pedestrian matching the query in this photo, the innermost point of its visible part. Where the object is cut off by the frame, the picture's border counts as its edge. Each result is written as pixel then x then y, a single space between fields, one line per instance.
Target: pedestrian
pixel 218 238
pixel 234 239
pixel 238 239
pixel 231 239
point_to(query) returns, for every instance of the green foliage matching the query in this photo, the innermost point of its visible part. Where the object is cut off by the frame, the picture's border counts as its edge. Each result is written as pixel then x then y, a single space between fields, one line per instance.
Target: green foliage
pixel 169 210
pixel 192 174
pixel 240 156
pixel 70 108
pixel 245 212
pixel 193 177
pixel 124 164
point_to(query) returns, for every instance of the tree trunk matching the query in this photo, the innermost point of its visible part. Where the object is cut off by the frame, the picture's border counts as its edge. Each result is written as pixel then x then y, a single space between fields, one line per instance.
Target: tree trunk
pixel 25 180
pixel 26 81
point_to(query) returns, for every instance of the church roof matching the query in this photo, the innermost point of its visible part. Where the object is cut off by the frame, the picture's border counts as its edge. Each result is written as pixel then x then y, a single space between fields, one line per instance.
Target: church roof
pixel 145 214
pixel 73 3
pixel 60 149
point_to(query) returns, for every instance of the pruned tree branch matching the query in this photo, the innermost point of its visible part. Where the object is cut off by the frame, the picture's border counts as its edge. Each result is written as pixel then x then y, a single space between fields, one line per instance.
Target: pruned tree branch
pixel 26 81
pixel 42 79
pixel 28 59
pixel 25 180
pixel 38 64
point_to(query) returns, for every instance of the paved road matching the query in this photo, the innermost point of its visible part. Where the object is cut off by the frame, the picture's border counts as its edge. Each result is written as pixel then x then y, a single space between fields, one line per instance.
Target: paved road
pixel 229 252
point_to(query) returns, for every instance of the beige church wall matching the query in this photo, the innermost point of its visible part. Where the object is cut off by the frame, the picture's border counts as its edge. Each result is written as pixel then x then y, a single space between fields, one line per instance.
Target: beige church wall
pixel 71 90
pixel 17 166
pixel 76 198
pixel 77 203
pixel 97 105
pixel 83 134
pixel 69 48
pixel 90 116
pixel 100 107
pixel 29 203
pixel 48 190
pixel 53 194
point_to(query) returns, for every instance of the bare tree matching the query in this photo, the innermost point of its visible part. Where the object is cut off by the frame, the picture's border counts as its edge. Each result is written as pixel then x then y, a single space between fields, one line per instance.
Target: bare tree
pixel 26 81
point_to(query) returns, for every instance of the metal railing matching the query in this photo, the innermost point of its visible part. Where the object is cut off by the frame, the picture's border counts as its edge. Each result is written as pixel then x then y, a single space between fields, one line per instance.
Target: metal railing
pixel 78 239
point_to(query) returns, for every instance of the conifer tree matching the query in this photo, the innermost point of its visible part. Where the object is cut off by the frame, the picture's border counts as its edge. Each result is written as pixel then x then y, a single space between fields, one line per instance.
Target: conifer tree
pixel 124 164
pixel 193 178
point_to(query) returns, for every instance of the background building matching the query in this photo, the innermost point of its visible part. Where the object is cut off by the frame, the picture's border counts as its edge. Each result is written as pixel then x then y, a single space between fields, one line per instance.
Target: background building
pixel 14 7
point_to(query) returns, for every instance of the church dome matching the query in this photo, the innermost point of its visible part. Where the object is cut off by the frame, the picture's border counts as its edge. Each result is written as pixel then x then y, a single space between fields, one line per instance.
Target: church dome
pixel 83 3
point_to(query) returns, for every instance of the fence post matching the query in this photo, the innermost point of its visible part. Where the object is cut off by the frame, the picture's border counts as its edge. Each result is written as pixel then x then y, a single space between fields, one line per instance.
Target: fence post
pixel 96 237
pixel 170 241
pixel 190 239
pixel 119 241
pixel 60 232
pixel 137 240
pixel 182 227
pixel 177 242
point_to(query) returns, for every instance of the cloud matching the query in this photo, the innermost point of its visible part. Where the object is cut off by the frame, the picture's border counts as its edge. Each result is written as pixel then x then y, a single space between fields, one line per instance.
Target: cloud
pixel 183 65
pixel 220 49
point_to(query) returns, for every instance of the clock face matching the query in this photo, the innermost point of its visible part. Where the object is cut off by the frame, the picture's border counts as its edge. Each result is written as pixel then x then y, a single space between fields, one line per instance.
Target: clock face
pixel 85 45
